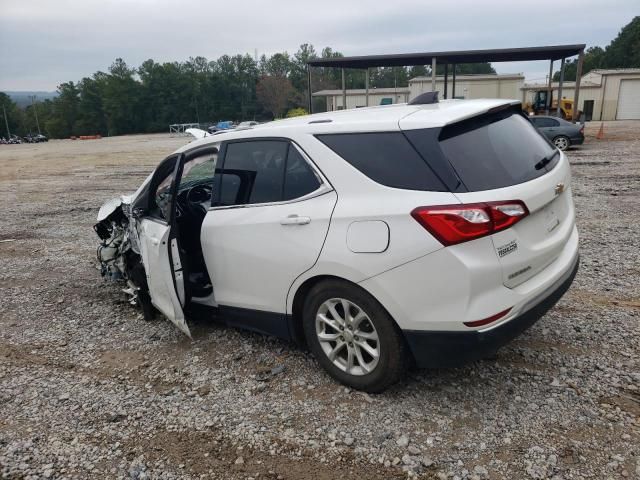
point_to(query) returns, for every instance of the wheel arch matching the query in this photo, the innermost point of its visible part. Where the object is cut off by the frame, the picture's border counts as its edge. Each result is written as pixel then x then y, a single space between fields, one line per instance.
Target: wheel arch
pixel 297 305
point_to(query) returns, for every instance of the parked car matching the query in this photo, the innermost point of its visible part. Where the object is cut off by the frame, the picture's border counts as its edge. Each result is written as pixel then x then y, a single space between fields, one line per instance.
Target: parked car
pixel 248 124
pixel 377 236
pixel 35 138
pixel 561 133
pixel 220 126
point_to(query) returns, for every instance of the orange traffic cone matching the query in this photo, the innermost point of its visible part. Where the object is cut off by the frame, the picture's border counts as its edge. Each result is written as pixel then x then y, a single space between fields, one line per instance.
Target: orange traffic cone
pixel 600 134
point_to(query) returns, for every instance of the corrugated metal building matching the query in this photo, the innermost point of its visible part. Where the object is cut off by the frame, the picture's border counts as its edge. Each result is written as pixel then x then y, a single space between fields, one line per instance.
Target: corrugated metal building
pixel 618 90
pixel 467 86
pixel 472 86
pixel 604 94
pixel 357 98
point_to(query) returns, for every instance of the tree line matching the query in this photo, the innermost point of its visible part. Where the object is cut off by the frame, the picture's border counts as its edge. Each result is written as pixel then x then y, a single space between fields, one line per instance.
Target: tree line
pixel 622 52
pixel 148 98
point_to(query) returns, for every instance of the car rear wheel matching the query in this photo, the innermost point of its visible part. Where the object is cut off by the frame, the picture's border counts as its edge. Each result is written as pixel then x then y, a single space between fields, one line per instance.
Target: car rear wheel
pixel 353 337
pixel 561 142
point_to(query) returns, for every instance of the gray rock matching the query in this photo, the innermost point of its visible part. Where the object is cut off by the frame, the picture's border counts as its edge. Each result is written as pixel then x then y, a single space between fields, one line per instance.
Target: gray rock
pixel 413 450
pixel 402 441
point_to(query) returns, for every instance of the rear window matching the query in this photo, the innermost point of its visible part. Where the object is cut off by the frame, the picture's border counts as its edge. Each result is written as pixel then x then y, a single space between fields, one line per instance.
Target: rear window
pixel 495 151
pixel 386 158
pixel 544 122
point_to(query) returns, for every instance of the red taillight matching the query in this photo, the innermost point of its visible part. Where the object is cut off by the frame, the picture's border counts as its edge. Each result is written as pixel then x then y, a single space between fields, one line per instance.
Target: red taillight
pixel 488 320
pixel 453 224
pixel 505 214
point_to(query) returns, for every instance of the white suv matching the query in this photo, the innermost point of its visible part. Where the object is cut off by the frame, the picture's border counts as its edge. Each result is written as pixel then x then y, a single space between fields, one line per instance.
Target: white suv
pixel 427 233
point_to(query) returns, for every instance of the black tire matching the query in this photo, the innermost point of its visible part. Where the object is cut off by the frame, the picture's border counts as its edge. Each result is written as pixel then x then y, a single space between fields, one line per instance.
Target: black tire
pixel 392 359
pixel 562 142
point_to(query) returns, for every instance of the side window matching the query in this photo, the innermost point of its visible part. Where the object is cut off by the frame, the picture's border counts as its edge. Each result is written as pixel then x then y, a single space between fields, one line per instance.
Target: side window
pixel 546 122
pixel 163 197
pixel 300 179
pixel 386 158
pixel 198 170
pixel 253 172
pixel 160 201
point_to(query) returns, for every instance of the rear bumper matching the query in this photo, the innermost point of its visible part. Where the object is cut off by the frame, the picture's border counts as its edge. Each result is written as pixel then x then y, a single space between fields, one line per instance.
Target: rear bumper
pixel 577 140
pixel 433 349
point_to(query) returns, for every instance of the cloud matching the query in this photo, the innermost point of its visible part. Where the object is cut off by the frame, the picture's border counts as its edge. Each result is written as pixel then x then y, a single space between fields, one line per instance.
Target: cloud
pixel 44 43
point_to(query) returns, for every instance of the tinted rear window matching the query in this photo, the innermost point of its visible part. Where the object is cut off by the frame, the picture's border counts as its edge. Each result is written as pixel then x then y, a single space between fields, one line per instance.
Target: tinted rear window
pixel 386 158
pixel 495 151
pixel 544 122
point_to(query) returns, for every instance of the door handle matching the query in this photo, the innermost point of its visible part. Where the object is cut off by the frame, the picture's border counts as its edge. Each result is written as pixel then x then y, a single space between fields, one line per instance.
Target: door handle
pixel 295 220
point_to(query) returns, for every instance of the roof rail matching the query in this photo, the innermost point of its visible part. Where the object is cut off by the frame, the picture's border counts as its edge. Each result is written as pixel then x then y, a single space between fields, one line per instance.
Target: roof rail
pixel 425 99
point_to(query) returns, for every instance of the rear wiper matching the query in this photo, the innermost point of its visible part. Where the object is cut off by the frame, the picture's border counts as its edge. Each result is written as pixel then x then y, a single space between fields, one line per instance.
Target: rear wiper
pixel 546 160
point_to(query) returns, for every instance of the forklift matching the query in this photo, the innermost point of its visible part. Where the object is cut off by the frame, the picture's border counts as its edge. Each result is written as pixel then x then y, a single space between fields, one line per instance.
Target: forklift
pixel 539 105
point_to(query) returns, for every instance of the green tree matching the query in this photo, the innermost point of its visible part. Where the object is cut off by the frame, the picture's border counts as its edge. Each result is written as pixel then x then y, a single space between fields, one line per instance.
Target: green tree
pixel 622 52
pixel 14 116
pixel 468 69
pixel 593 59
pixel 419 71
pixel 121 100
pixel 91 118
pixel 298 75
pixel 277 65
pixel 61 122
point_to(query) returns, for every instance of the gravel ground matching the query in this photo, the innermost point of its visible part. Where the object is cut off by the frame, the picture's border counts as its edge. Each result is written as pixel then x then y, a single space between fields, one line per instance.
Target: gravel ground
pixel 88 389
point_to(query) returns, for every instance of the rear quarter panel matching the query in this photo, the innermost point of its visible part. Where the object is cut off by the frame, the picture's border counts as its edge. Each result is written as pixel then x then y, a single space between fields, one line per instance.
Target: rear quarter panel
pixel 362 199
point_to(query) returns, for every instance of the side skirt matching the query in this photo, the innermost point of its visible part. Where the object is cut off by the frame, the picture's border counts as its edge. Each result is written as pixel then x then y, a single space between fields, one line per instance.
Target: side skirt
pixel 268 323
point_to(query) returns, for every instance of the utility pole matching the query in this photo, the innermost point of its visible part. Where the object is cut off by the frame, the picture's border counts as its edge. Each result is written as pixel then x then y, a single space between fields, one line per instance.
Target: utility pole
pixel 6 121
pixel 35 112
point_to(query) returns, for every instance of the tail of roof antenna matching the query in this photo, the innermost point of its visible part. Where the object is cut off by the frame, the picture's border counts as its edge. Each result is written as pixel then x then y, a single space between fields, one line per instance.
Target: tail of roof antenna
pixel 425 99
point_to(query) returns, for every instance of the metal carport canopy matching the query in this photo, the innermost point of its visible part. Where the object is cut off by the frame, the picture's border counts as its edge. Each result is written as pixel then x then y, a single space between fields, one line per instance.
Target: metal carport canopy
pixel 553 52
pixel 525 54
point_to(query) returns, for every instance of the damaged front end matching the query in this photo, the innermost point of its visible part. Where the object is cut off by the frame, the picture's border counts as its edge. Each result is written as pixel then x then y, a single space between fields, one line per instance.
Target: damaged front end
pixel 119 252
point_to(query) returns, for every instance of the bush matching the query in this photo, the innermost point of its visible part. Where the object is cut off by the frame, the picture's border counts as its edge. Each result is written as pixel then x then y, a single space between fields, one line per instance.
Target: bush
pixel 296 112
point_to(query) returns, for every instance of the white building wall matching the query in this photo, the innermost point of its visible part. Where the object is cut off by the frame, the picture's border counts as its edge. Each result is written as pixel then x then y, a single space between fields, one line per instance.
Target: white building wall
pixel 611 86
pixel 602 89
pixel 497 87
pixel 334 101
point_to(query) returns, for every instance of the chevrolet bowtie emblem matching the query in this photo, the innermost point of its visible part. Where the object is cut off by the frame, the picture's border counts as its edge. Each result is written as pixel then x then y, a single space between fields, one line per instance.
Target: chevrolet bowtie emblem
pixel 559 188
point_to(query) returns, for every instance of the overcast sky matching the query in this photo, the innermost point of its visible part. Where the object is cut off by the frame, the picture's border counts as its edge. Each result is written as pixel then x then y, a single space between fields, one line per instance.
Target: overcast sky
pixel 46 42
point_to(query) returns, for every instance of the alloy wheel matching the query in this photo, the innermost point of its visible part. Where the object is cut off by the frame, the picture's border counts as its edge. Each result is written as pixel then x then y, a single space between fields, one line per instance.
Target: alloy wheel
pixel 561 143
pixel 347 336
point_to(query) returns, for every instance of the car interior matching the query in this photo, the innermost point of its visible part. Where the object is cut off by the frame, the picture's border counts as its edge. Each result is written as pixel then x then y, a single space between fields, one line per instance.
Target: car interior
pixel 193 198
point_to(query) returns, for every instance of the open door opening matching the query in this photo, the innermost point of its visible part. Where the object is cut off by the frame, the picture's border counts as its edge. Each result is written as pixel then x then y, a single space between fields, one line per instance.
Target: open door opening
pixel 169 231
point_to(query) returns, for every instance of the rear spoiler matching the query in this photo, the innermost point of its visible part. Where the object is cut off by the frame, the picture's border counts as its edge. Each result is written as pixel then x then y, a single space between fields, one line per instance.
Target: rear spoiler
pixel 454 112
pixel 514 105
pixel 480 118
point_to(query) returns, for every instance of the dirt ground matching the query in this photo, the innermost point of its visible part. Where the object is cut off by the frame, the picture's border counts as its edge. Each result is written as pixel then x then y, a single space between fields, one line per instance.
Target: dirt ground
pixel 88 389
